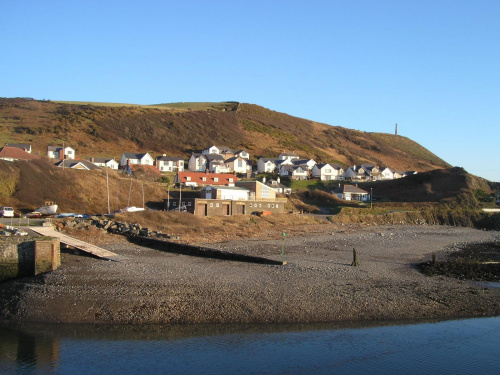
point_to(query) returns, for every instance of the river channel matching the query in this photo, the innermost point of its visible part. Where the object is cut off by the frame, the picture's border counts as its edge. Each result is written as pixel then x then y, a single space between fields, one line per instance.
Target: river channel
pixel 470 346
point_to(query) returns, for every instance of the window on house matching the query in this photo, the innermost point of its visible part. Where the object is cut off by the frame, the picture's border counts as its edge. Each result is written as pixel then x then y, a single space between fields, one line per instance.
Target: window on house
pixel 264 192
pixel 272 206
pixel 276 205
pixel 188 178
pixel 175 204
pixel 268 205
pixel 216 179
pixel 217 205
pixel 211 204
pixel 189 204
pixel 231 180
pixel 203 178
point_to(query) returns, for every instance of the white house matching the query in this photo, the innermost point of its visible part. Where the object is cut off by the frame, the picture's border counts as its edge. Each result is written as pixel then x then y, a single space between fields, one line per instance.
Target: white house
pixel 277 186
pixel 351 173
pixel 133 158
pixel 211 150
pixel 266 165
pixel 328 172
pixel 307 163
pixel 242 154
pixel 294 172
pixel 226 152
pixel 13 153
pixel 23 146
pixel 225 192
pixel 369 171
pixel 105 162
pixel 56 152
pixel 216 164
pixel 288 156
pixel 197 163
pixel 170 163
pixel 238 164
pixel 351 192
pixel 387 173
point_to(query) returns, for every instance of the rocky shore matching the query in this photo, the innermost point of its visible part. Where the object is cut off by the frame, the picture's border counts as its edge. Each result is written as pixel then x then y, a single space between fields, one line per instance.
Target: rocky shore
pixel 318 283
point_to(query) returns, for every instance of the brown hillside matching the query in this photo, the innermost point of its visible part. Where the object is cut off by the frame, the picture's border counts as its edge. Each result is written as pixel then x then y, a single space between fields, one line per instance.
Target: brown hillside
pixel 110 130
pixel 26 185
pixel 432 186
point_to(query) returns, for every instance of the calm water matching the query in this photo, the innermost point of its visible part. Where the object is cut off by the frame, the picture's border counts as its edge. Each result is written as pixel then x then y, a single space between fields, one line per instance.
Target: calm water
pixel 469 346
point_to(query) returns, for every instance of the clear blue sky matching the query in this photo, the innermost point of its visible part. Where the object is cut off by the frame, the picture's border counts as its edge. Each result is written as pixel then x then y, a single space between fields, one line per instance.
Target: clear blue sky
pixel 433 66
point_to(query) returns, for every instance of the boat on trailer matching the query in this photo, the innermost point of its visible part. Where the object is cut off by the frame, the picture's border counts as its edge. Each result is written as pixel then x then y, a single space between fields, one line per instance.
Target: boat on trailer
pixel 50 208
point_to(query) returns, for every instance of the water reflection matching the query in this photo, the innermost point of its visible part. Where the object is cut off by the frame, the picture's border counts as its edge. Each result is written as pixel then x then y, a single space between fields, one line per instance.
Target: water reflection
pixel 466 346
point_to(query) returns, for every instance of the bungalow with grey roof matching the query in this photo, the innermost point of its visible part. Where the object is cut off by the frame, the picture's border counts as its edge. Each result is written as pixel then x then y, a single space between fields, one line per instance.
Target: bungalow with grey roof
pixel 351 192
pixel 136 158
pixel 105 162
pixel 23 146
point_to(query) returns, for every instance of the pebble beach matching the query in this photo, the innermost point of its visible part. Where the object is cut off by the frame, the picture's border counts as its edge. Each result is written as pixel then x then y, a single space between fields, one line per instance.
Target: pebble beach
pixel 317 283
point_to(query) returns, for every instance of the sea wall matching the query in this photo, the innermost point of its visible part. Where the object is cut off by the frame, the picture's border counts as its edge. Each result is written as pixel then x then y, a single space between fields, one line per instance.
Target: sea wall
pixel 28 256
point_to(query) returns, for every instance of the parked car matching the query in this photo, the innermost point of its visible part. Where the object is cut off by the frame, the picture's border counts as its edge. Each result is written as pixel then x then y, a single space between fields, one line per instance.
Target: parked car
pixel 6 212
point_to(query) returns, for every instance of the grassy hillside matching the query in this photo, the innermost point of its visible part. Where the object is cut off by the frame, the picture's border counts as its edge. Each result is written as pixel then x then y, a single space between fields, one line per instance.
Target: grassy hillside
pixel 26 185
pixel 438 185
pixel 108 130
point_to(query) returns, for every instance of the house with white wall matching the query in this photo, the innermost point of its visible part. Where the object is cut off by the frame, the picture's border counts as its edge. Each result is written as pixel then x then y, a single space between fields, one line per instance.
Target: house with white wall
pixel 129 158
pixel 294 172
pixel 328 172
pixel 288 156
pixel 238 164
pixel 105 163
pixel 197 163
pixel 225 192
pixel 58 152
pixel 266 165
pixel 307 163
pixel 169 163
pixel 351 193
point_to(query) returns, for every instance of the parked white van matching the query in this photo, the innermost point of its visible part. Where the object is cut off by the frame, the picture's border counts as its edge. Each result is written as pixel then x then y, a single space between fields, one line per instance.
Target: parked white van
pixel 6 212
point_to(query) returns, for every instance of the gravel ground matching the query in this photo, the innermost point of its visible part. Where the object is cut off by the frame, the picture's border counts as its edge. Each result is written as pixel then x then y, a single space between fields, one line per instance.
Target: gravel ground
pixel 317 284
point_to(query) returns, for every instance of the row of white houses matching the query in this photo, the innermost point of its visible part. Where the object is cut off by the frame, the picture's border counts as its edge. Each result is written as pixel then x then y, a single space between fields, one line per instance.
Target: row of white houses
pixel 216 159
pixel 290 165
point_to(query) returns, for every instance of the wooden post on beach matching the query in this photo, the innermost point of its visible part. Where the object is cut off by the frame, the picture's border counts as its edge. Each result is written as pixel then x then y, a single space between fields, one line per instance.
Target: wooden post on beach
pixel 283 250
pixel 355 262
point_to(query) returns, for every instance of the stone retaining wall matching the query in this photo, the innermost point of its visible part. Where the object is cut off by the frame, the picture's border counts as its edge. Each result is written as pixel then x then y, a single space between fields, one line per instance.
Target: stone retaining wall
pixel 28 256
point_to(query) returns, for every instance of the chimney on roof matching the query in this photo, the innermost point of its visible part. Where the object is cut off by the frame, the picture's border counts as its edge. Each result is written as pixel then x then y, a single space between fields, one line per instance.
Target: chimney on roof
pixel 206 171
pixel 278 179
pixel 263 180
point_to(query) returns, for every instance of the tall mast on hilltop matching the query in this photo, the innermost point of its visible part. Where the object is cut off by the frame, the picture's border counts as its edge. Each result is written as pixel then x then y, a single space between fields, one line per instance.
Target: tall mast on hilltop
pixel 396 133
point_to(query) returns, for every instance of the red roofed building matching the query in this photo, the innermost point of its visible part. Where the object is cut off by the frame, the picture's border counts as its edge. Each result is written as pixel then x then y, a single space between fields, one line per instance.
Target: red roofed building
pixel 14 153
pixel 203 179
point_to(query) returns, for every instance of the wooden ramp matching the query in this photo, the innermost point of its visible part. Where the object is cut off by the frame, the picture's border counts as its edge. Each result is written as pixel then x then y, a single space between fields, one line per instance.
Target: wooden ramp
pixel 77 244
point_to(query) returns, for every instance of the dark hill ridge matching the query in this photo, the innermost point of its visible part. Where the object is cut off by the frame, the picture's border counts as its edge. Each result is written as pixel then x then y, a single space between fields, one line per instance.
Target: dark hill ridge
pixel 437 185
pixel 181 128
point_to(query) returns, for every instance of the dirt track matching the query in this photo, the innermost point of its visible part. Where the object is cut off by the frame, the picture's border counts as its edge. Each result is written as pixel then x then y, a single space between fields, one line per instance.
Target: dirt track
pixel 317 284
